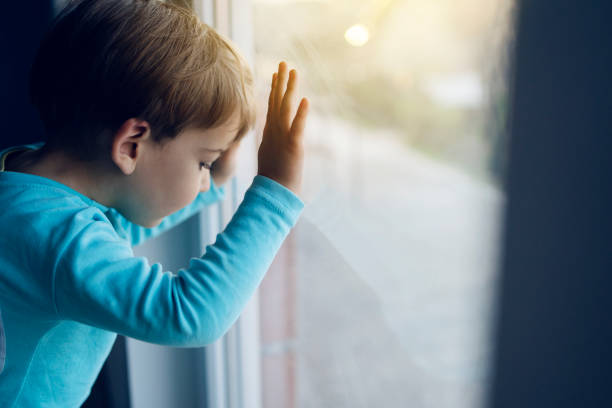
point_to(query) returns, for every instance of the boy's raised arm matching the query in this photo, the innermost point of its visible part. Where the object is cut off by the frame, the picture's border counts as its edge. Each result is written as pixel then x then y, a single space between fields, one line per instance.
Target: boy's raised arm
pixel 99 282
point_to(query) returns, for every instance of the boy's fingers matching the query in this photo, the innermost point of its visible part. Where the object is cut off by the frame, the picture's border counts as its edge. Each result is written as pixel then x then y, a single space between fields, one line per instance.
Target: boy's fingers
pixel 271 98
pixel 285 109
pixel 299 122
pixel 279 90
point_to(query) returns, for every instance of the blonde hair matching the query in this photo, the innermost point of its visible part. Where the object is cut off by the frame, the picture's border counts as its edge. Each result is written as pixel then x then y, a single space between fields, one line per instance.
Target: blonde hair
pixel 105 61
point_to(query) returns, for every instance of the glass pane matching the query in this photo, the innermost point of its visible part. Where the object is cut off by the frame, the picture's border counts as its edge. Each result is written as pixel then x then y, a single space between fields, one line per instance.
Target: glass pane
pixel 385 288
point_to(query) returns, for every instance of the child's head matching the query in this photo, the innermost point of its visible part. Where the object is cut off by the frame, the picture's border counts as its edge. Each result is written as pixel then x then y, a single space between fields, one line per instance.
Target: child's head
pixel 114 71
pixel 105 61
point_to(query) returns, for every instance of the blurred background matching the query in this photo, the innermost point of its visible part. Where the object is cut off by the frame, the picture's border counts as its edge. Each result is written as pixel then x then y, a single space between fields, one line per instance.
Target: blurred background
pixel 389 275
pixel 427 71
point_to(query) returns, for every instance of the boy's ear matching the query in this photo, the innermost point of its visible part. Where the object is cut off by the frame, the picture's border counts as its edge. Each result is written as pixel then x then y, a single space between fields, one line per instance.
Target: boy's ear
pixel 128 144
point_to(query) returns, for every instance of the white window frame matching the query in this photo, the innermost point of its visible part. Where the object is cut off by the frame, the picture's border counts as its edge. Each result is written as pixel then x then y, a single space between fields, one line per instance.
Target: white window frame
pixel 233 363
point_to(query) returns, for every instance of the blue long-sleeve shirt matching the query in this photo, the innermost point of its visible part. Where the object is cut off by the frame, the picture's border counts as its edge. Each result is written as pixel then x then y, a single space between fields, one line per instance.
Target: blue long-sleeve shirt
pixel 69 282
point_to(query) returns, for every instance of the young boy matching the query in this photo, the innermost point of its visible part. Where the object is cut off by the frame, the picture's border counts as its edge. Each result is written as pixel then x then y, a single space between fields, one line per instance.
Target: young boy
pixel 144 107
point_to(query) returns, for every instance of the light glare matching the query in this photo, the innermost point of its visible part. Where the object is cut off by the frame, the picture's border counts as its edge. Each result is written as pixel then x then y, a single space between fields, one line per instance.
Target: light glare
pixel 357 35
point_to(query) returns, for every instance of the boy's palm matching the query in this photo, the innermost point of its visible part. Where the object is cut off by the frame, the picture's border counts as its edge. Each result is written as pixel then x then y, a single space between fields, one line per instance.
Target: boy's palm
pixel 281 153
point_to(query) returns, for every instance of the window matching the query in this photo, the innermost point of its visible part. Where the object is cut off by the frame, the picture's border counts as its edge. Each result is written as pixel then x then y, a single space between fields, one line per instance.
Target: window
pixel 382 293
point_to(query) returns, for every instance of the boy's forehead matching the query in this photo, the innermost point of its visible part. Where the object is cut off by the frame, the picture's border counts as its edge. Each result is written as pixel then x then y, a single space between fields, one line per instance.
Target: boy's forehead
pixel 219 138
pixel 215 140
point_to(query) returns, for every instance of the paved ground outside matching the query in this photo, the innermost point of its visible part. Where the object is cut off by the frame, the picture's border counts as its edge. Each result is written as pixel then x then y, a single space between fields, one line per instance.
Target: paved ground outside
pixel 396 275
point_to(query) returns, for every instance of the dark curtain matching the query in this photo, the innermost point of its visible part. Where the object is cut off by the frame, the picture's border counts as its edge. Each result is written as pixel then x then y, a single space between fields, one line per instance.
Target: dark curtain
pixel 554 334
pixel 111 389
pixel 22 25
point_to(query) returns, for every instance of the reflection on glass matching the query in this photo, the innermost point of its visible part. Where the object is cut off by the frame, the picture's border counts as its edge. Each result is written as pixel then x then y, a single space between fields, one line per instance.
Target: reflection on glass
pixel 394 258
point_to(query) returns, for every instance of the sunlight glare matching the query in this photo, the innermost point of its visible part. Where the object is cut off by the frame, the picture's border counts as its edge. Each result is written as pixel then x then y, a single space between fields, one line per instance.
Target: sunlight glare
pixel 357 35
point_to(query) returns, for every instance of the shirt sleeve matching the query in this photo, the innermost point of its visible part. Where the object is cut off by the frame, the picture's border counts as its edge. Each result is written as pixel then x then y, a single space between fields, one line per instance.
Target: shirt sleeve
pixel 137 234
pixel 99 282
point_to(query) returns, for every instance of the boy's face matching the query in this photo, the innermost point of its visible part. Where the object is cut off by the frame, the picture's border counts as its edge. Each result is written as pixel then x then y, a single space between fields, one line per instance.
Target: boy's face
pixel 169 176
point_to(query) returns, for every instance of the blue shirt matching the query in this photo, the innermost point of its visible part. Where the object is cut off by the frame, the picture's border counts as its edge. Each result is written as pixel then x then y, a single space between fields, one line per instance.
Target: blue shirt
pixel 69 281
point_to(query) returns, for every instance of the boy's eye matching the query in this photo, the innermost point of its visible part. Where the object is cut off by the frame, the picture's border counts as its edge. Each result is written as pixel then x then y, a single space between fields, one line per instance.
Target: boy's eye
pixel 205 165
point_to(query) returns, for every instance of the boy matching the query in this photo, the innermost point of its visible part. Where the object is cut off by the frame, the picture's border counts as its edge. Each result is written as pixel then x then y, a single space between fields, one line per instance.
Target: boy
pixel 140 102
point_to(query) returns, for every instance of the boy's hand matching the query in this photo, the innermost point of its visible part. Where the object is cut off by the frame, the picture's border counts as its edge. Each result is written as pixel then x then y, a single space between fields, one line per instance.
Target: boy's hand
pixel 281 153
pixel 224 167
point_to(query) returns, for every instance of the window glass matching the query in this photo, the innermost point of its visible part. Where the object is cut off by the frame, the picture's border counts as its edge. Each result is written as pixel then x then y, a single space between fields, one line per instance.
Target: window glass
pixel 388 278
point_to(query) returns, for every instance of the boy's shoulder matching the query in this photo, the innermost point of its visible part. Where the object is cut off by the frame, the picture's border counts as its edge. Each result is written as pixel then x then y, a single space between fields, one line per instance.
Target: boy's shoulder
pixel 43 225
pixel 42 208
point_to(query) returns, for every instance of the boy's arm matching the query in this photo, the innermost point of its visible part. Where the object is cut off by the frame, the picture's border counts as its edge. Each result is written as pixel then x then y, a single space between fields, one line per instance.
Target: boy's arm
pixel 99 282
pixel 137 234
